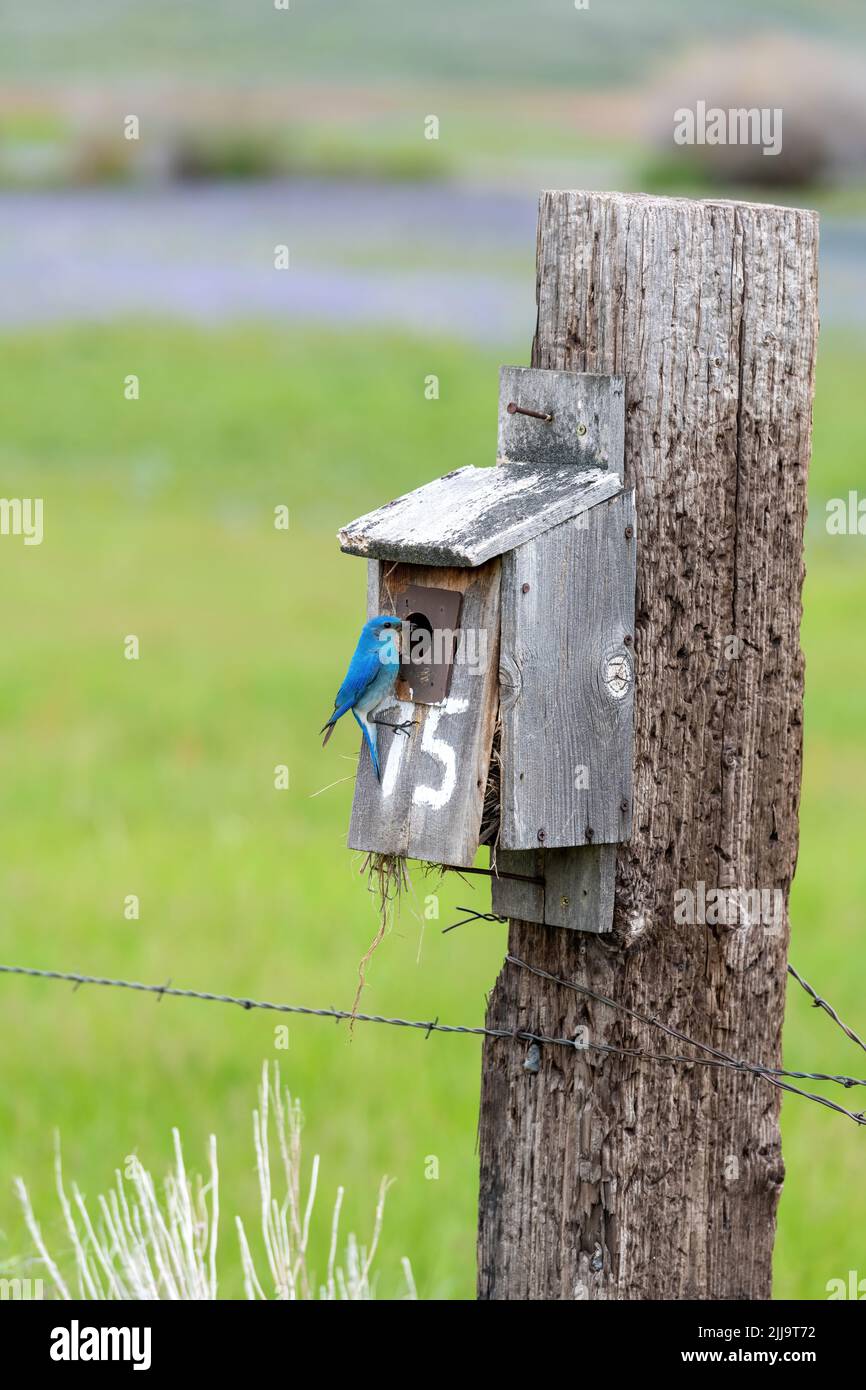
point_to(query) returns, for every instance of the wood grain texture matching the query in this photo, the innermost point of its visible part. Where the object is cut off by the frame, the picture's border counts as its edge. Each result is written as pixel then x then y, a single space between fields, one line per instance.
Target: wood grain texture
pixel 567 632
pixel 429 802
pixel 587 422
pixel 475 514
pixel 578 890
pixel 604 1177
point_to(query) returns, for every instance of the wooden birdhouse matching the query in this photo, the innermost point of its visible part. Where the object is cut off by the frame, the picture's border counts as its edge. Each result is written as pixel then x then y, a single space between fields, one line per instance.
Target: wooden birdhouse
pixel 516 585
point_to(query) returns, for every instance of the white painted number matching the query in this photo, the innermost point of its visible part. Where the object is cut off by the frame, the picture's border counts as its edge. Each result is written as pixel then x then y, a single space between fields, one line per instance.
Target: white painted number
pixel 438 748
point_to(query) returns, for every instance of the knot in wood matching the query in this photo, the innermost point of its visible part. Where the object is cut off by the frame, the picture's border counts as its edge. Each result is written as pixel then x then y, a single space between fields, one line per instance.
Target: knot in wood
pixel 509 682
pixel 617 674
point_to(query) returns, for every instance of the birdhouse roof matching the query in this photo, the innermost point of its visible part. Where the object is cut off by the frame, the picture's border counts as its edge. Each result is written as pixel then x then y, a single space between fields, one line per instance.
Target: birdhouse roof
pixel 472 514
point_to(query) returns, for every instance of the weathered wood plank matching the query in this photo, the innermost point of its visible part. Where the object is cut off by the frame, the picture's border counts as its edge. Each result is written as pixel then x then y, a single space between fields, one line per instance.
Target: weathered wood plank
pixel 510 897
pixel 578 888
pixel 474 514
pixel 609 1177
pixel 429 803
pixel 587 424
pixel 567 632
pixel 374 581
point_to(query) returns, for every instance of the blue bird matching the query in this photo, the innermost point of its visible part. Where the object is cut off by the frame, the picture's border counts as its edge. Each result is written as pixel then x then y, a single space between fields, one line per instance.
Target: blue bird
pixel 370 679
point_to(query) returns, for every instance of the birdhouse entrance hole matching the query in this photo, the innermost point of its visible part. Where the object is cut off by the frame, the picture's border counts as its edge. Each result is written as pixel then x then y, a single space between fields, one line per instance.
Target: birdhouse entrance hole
pixel 432 616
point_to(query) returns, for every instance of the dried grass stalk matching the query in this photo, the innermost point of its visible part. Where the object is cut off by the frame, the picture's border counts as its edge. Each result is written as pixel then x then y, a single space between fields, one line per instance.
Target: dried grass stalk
pixel 149 1245
pixel 387 879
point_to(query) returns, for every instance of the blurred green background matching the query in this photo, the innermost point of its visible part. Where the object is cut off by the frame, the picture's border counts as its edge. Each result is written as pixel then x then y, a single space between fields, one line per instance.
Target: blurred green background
pixel 306 389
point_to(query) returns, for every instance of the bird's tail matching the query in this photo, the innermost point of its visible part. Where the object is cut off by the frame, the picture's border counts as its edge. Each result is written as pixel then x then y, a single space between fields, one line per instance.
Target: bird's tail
pixel 370 740
pixel 328 728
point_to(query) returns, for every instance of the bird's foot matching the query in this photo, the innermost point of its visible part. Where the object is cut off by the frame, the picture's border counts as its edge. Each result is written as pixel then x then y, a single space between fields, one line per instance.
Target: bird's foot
pixel 403 728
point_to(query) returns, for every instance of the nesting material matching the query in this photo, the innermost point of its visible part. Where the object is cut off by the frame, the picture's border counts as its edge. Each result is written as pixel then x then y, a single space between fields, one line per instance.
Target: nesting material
pixel 490 815
pixel 387 876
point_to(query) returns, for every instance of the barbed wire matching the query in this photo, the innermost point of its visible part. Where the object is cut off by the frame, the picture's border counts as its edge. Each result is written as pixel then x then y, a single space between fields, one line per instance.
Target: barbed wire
pixel 820 1003
pixel 770 1074
pixel 473 917
pixel 715 1059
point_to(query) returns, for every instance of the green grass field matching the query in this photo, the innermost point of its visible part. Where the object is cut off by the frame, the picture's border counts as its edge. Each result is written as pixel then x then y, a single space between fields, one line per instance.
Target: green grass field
pixel 155 777
pixel 546 42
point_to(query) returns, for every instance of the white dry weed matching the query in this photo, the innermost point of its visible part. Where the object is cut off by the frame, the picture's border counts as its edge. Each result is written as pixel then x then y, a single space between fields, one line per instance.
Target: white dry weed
pixel 149 1245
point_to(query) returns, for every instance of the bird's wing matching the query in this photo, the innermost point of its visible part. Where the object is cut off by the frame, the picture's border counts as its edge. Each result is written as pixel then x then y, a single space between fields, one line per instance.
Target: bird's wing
pixel 368 675
pixel 363 669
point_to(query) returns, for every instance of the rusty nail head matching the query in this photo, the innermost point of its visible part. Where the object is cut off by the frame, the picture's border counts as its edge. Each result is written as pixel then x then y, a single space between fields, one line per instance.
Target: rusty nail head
pixel 629 532
pixel 627 639
pixel 524 588
pixel 514 409
pixel 588 834
pixel 623 805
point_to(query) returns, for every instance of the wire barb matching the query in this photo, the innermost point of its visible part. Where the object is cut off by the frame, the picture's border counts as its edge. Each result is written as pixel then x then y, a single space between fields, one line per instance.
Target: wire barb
pixel 473 917
pixel 820 1003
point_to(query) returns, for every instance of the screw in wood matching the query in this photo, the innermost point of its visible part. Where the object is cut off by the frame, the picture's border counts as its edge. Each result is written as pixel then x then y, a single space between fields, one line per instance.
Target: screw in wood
pixel 541 837
pixel 629 532
pixel 581 429
pixel 514 409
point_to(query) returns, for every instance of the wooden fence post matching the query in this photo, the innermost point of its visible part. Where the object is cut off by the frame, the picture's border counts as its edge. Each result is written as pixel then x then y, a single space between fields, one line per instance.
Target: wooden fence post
pixel 603 1176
